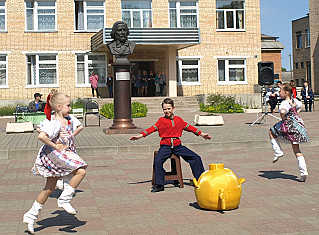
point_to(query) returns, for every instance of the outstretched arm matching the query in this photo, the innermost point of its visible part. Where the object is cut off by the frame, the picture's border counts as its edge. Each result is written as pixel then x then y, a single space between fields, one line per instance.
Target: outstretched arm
pixel 206 136
pixel 136 137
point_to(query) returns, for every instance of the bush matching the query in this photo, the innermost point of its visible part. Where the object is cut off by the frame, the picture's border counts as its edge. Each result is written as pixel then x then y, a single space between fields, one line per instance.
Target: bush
pixel 221 104
pixel 138 110
pixel 77 104
pixel 7 110
pixel 107 110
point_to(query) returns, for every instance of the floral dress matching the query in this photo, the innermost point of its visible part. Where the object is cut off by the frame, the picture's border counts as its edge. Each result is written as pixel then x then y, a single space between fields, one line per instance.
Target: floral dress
pixel 292 128
pixel 56 163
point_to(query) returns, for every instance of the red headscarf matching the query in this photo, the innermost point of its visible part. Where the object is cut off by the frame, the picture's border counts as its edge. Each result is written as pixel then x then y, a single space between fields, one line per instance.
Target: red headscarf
pixel 47 108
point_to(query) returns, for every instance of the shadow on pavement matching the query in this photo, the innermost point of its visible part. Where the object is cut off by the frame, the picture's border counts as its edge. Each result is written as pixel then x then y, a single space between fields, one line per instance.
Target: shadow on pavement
pixel 63 219
pixel 277 175
pixel 196 206
pixel 57 192
pixel 141 182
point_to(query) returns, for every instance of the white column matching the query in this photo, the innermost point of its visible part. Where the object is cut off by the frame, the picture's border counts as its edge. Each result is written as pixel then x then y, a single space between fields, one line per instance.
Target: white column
pixel 171 72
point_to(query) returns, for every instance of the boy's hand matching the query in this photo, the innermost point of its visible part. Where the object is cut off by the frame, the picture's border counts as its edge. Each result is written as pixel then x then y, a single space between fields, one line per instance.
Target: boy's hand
pixel 206 136
pixel 136 137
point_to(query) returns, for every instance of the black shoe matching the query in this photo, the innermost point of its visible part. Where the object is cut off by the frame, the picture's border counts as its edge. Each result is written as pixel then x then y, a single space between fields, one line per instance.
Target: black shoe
pixel 157 188
pixel 176 183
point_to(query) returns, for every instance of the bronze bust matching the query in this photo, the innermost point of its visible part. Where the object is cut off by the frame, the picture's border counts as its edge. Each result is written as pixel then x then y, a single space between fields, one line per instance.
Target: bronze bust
pixel 120 46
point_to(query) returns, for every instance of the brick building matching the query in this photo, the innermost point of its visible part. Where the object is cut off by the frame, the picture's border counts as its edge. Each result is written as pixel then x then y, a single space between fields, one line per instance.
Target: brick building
pixel 271 51
pixel 301 50
pixel 47 44
pixel 314 42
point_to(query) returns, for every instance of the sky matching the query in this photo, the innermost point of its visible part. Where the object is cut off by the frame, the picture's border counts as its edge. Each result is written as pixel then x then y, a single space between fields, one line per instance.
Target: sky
pixel 276 17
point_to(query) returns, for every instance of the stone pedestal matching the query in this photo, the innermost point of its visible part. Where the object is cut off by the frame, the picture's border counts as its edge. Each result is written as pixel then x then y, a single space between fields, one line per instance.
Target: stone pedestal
pixel 122 122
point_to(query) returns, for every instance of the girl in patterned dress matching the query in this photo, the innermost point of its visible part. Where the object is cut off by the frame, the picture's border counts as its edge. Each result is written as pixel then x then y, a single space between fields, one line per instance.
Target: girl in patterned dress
pixel 291 128
pixel 57 158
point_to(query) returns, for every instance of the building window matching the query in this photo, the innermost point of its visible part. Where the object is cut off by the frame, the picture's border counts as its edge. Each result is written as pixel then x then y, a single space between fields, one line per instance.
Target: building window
pixel 86 64
pixel 188 71
pixel 296 66
pixel 230 15
pixel 42 70
pixel 231 71
pixel 183 14
pixel 41 15
pixel 137 14
pixel 301 65
pixel 307 37
pixel 89 15
pixel 3 71
pixel 3 16
pixel 299 39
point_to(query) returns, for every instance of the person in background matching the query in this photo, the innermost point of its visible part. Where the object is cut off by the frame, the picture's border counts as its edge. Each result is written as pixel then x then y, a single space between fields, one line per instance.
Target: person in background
pixel 36 104
pixel 151 84
pixel 279 84
pixel 157 87
pixel 133 84
pixel 271 97
pixel 162 82
pixel 139 82
pixel 144 83
pixel 307 96
pixel 109 83
pixel 94 84
pixel 294 90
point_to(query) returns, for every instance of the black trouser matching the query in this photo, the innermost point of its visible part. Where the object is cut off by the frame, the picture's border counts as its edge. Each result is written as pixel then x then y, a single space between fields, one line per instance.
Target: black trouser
pixel 306 101
pixel 188 155
pixel 272 102
pixel 97 91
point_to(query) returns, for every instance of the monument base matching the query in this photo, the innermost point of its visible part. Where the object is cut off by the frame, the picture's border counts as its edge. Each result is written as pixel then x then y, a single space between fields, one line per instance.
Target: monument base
pixel 109 131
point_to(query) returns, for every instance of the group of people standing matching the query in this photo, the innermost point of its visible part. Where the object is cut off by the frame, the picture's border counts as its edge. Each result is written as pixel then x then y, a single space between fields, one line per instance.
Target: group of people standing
pixel 142 84
pixel 147 84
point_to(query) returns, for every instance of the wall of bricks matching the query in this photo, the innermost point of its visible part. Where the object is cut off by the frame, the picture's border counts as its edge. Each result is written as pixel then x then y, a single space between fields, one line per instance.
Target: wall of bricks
pixel 66 42
pixel 314 42
pixel 300 55
pixel 275 57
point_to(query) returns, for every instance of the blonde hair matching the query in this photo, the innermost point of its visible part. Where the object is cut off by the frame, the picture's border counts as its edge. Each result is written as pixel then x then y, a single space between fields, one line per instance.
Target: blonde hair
pixel 57 98
pixel 53 91
pixel 287 87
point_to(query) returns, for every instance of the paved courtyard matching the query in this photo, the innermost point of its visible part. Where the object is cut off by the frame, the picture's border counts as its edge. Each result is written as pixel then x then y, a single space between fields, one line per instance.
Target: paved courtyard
pixel 115 197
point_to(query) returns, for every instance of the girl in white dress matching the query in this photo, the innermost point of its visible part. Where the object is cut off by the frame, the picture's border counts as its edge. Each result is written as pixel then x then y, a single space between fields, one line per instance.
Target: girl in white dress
pixel 57 158
pixel 291 128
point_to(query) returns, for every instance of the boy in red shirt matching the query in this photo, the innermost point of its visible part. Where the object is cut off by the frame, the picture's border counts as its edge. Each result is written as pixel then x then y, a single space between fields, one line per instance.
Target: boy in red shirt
pixel 170 128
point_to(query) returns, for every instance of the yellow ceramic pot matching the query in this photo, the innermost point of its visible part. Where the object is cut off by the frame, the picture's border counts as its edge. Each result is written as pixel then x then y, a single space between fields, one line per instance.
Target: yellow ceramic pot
pixel 218 188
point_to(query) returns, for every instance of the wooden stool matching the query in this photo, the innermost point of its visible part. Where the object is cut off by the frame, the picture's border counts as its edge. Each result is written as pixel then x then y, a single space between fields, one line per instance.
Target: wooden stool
pixel 175 173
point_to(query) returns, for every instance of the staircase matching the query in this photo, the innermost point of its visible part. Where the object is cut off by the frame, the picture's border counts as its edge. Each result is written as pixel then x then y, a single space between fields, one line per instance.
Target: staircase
pixel 154 103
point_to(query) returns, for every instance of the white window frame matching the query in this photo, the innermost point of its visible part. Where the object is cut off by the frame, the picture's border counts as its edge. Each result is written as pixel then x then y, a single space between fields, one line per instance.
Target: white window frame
pixel 36 15
pixel 179 60
pixel 234 18
pixel 6 68
pixel 37 63
pixel 5 15
pixel 228 66
pixel 307 38
pixel 141 15
pixel 86 63
pixel 86 8
pixel 178 12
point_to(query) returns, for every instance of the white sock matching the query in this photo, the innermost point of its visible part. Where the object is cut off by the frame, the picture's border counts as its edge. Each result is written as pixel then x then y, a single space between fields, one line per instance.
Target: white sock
pixel 276 147
pixel 302 165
